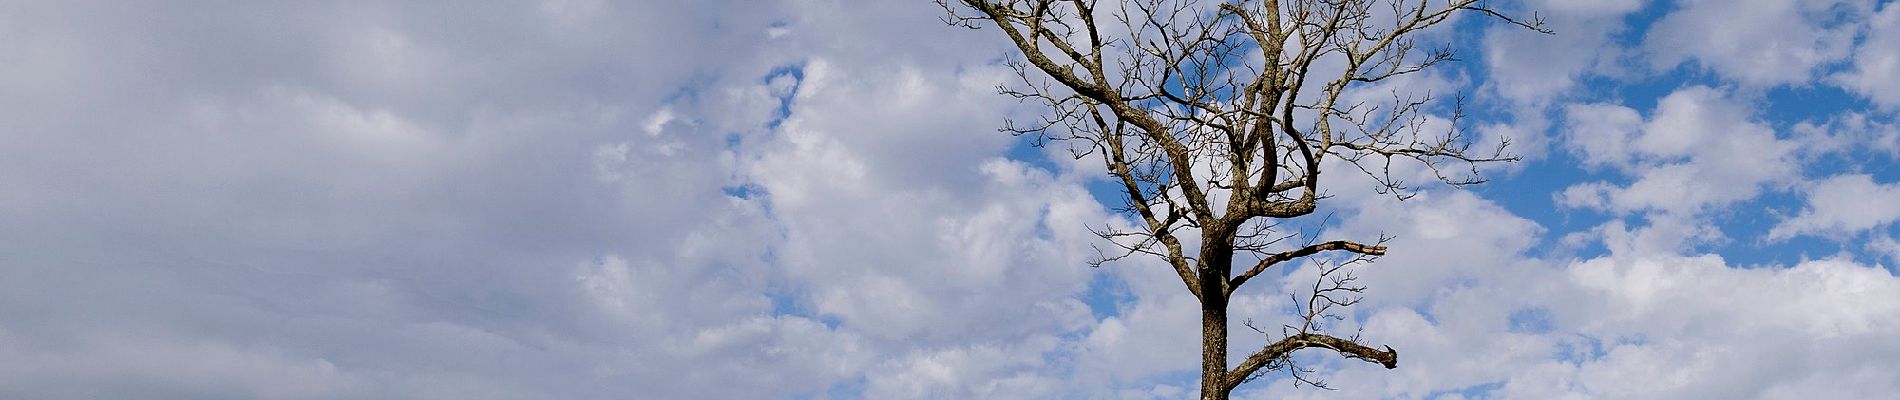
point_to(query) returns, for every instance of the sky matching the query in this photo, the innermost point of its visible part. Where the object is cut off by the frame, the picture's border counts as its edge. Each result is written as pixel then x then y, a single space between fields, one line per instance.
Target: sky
pixel 808 199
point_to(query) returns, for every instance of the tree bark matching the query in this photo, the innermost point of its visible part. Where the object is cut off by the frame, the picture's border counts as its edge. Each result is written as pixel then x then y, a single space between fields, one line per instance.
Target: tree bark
pixel 1214 346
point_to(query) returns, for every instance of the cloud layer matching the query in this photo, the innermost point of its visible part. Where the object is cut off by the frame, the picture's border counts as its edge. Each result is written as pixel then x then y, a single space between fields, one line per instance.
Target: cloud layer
pixel 807 199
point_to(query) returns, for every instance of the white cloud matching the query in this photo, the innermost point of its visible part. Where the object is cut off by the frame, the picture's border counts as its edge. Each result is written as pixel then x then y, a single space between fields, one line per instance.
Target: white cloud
pixel 934 232
pixel 1631 324
pixel 1532 67
pixel 1697 150
pixel 1760 44
pixel 973 371
pixel 1588 7
pixel 1155 335
pixel 1676 327
pixel 1602 134
pixel 364 202
pixel 1888 247
pixel 1841 206
pixel 1876 66
pixel 1537 72
pixel 1851 134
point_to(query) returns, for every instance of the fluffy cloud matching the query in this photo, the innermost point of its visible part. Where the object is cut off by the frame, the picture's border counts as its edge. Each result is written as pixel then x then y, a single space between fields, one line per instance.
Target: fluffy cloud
pixel 1662 327
pixel 1698 149
pixel 1765 43
pixel 1876 61
pixel 1851 135
pixel 1532 67
pixel 1843 205
pixel 1630 324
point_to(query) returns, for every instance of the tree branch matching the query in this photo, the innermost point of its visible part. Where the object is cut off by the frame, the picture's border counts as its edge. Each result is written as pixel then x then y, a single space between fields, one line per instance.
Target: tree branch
pixel 1277 258
pixel 1285 347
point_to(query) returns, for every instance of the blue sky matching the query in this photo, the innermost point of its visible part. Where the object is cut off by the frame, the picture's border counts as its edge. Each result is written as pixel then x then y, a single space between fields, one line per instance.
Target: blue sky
pixel 809 199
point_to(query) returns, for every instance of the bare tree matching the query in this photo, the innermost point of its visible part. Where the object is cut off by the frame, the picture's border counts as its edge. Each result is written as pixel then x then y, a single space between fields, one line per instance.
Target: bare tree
pixel 1217 119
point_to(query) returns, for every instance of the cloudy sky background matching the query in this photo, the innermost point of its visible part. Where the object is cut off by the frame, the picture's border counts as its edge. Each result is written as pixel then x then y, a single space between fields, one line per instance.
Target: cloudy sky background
pixel 808 199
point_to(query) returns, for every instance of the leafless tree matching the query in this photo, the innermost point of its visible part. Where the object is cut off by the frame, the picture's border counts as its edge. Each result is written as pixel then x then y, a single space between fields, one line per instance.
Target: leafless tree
pixel 1217 117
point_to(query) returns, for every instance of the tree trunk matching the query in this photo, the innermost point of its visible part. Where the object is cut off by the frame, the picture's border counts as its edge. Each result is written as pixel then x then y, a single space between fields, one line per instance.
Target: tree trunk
pixel 1214 346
